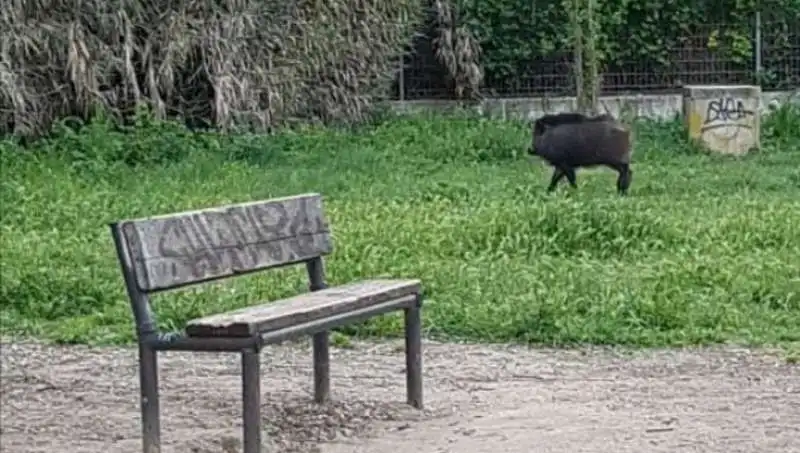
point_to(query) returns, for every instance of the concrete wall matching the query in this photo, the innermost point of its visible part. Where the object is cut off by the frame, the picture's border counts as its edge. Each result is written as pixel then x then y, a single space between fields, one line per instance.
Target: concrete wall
pixel 723 118
pixel 653 106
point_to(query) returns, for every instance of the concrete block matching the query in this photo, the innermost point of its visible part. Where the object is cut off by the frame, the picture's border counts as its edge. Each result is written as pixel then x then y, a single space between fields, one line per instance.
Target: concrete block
pixel 724 118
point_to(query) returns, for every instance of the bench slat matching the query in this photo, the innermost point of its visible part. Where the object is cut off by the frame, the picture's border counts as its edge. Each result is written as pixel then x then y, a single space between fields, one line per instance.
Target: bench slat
pixel 191 247
pixel 302 308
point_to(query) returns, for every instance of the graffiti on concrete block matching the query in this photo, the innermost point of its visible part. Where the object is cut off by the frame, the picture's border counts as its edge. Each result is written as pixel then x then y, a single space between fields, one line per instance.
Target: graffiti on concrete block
pixel 726 112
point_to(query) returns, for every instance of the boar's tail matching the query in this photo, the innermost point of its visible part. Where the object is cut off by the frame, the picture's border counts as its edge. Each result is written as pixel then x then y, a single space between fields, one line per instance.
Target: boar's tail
pixel 626 134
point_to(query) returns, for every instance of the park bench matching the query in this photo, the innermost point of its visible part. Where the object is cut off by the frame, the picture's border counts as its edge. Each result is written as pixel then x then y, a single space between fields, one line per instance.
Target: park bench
pixel 171 251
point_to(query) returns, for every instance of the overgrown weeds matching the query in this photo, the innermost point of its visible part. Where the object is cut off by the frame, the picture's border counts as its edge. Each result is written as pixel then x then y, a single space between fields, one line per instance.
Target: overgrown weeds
pixel 703 250
pixel 249 63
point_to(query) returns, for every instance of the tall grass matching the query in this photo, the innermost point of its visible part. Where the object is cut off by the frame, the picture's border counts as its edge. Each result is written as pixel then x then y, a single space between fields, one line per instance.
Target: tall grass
pixel 703 250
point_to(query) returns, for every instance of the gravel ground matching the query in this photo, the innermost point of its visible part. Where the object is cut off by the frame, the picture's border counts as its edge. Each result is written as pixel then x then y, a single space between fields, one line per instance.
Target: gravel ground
pixel 479 399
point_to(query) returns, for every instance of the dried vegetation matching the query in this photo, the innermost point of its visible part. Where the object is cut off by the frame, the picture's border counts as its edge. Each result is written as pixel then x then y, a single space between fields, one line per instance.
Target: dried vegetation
pixel 222 63
pixel 457 50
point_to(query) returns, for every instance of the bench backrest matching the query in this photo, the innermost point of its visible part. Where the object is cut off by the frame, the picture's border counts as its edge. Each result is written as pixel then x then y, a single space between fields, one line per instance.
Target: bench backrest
pixel 171 251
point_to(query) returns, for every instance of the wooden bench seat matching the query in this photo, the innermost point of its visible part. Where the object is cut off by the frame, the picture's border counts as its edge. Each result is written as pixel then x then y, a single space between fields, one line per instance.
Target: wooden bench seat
pixel 167 252
pixel 303 308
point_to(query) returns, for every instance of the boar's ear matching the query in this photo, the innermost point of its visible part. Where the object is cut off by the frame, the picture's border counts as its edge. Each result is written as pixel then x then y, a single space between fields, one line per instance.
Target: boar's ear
pixel 539 127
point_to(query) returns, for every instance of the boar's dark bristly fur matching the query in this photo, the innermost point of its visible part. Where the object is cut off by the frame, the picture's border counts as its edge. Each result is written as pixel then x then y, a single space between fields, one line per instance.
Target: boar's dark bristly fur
pixel 570 140
pixel 558 119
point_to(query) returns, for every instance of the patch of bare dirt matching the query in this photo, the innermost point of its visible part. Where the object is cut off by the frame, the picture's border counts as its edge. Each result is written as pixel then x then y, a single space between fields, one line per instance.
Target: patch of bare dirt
pixel 494 399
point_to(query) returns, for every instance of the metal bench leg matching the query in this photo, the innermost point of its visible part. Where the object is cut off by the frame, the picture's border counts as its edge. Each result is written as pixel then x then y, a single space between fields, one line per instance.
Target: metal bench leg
pixel 413 324
pixel 148 387
pixel 251 400
pixel 322 372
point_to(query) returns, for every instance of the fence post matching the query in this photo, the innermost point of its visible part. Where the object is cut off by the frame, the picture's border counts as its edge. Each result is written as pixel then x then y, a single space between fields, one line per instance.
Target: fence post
pixel 576 40
pixel 401 81
pixel 590 55
pixel 758 43
pixel 583 33
pixel 401 77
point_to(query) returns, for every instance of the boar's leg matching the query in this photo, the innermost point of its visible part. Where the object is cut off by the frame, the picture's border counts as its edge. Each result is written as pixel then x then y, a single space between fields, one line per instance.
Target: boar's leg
pixel 624 178
pixel 570 172
pixel 558 173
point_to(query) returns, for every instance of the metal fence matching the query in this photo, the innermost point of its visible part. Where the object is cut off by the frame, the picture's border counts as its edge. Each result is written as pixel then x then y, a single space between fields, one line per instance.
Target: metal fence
pixel 775 66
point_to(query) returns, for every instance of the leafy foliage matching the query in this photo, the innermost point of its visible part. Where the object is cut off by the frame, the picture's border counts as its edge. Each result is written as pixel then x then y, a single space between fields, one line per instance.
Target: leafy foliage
pixel 517 34
pixel 703 250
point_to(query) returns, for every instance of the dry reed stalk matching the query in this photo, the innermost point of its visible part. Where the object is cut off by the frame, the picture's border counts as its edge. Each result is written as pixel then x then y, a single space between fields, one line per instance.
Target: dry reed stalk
pixel 457 50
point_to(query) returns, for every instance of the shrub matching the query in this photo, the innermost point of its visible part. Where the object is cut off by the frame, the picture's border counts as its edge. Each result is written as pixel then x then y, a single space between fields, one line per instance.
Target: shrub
pixel 520 37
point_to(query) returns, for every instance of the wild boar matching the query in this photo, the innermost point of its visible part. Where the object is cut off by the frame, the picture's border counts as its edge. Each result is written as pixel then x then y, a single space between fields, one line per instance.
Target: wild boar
pixel 569 141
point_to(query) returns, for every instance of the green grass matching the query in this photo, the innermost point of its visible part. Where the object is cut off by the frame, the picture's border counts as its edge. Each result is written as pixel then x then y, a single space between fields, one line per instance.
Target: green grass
pixel 704 249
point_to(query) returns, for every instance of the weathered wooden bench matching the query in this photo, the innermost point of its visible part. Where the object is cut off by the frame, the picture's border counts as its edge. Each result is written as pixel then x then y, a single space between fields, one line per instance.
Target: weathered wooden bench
pixel 167 252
